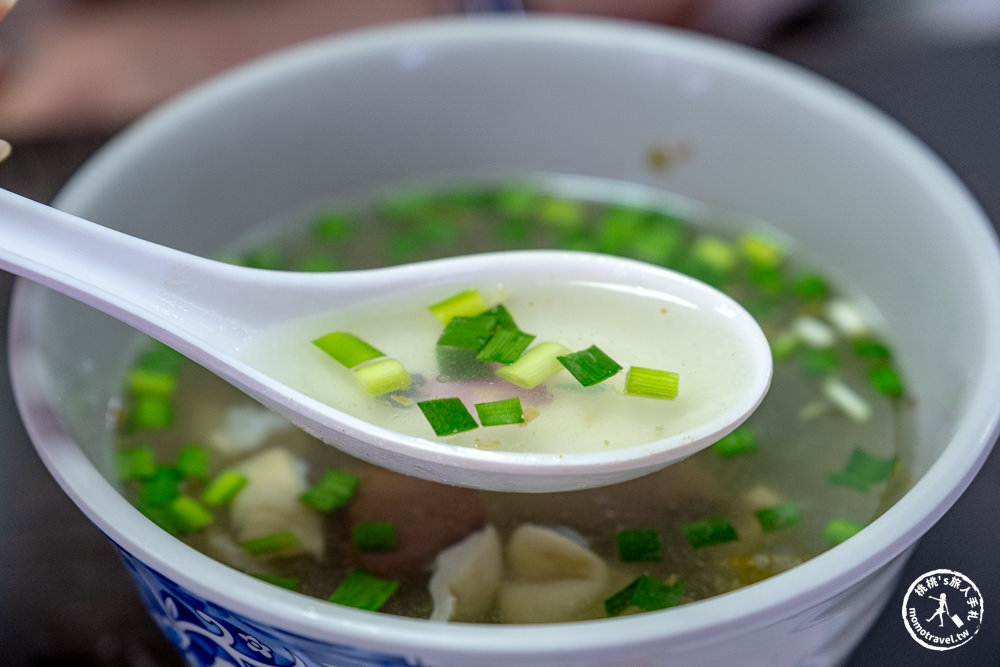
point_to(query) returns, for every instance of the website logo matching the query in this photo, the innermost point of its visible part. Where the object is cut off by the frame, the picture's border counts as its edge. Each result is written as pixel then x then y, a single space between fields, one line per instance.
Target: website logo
pixel 942 609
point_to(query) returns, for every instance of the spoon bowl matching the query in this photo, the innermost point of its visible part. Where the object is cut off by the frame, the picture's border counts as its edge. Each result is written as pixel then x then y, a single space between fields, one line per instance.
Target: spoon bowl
pixel 210 311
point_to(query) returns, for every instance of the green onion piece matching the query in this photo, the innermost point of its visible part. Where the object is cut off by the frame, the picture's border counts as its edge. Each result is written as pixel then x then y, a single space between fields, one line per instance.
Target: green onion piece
pixel 784 345
pixel 870 348
pixel 447 416
pixel 161 516
pixel 645 593
pixel 714 252
pixel 270 544
pixel 784 515
pixel 863 470
pixel 885 380
pixel 504 319
pixel 770 279
pixel 761 251
pixel 639 546
pixel 839 530
pixel 590 366
pixel 160 358
pixel 189 514
pixel 144 381
pixel 468 332
pixel 135 463
pixel 709 532
pixel 149 411
pixel 332 226
pixel 192 461
pixel 318 264
pixel 505 346
pixel 660 243
pixel 263 258
pixel 535 366
pixel 223 487
pixel 564 213
pixel 741 440
pixel 374 536
pixel 516 200
pixel 820 361
pixel 364 591
pixel 812 286
pixel 381 376
pixel 618 229
pixel 347 348
pixel 466 304
pixel 651 383
pixel 408 204
pixel 497 413
pixel 334 489
pixel 291 583
pixel 162 487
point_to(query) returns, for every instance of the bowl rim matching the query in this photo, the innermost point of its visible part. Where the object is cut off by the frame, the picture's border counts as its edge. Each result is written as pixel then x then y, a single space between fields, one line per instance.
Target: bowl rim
pixel 751 607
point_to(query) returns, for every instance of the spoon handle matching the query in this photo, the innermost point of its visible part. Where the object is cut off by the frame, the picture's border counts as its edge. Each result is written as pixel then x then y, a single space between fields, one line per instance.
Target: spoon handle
pixel 118 274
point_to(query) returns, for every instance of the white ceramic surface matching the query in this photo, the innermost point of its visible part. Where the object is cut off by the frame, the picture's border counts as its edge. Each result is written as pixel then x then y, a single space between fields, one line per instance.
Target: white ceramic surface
pixel 859 196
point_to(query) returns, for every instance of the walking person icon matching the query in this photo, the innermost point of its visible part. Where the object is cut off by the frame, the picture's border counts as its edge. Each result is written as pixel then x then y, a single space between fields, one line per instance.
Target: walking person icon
pixel 941 610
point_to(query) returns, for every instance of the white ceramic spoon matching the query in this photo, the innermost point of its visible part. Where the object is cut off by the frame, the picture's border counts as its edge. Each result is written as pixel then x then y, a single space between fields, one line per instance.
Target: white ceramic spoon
pixel 209 310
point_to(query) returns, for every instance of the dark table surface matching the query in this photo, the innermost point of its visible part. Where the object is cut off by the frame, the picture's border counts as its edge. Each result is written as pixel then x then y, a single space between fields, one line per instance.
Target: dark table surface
pixel 64 598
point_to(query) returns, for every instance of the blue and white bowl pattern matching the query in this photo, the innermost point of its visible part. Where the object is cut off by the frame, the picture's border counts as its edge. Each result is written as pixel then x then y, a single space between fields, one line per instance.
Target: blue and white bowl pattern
pixel 207 635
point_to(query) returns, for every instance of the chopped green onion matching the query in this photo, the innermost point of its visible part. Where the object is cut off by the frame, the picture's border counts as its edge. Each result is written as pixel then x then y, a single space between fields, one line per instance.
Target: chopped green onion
pixel 270 544
pixel 189 514
pixel 161 516
pixel 862 470
pixel 535 366
pixel 505 346
pixel 590 366
pixel 761 251
pixel 161 358
pixel 223 487
pixel 334 489
pixel 660 243
pixel 291 583
pixel 263 258
pixel 364 591
pixel 516 199
pixel 318 264
pixel 645 593
pixel 447 416
pixel 497 413
pixel 381 376
pixel 618 229
pixel 784 345
pixel 770 279
pixel 160 488
pixel 839 530
pixel 741 440
pixel 812 286
pixel 135 463
pixel 651 383
pixel 709 532
pixel 885 380
pixel 149 411
pixel 714 252
pixel 192 461
pixel 639 546
pixel 565 213
pixel 820 362
pixel 374 536
pixel 783 515
pixel 332 226
pixel 347 348
pixel 466 304
pixel 468 332
pixel 144 381
pixel 871 348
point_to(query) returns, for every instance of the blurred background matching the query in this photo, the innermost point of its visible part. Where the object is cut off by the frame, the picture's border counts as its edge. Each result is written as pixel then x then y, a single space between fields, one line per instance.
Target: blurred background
pixel 73 72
